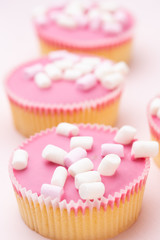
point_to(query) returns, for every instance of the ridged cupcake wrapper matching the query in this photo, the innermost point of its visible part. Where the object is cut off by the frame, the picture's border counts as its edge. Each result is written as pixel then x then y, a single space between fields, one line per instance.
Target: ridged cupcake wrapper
pixel 98 219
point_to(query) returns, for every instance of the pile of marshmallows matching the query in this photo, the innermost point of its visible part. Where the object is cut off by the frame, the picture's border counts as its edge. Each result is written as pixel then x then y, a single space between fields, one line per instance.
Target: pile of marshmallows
pixel 105 16
pixel 85 71
pixel 155 107
pixel 80 167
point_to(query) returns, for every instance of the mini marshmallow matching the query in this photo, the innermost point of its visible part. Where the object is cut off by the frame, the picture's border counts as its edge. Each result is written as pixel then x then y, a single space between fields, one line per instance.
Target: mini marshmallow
pixel 92 61
pixel 87 177
pixel 104 69
pixel 53 72
pixel 112 81
pixel 20 159
pixel 58 54
pixel 42 80
pixel 121 67
pixel 52 191
pixel 87 82
pixel 67 129
pixel 107 17
pixel 63 64
pixel 72 74
pixel 143 149
pixel 112 28
pixel 54 154
pixel 81 141
pixel 32 70
pixel 83 165
pixel 93 14
pixel 155 106
pixel 92 190
pixel 74 155
pixel 84 68
pixel 74 9
pixel 66 21
pixel 121 17
pixel 125 135
pixel 108 148
pixel 59 176
pixel 109 165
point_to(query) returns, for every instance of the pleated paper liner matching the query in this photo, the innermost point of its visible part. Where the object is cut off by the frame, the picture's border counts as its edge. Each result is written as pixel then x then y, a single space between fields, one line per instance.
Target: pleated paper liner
pixel 81 220
pixel 30 118
pixel 154 133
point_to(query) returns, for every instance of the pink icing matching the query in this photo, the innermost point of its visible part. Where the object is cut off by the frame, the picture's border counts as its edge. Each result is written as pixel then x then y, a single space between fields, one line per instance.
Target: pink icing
pixel 40 171
pixel 60 92
pixel 83 36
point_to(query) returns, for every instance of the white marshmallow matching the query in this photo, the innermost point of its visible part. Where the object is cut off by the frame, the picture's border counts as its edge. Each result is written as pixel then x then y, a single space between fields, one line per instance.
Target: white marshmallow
pixel 83 165
pixel 109 165
pixel 106 17
pixel 121 17
pixel 84 68
pixel 66 21
pixel 67 129
pixel 93 14
pixel 72 74
pixel 59 177
pixel 74 155
pixel 92 190
pixel 53 72
pixel 87 177
pixel 52 191
pixel 108 5
pixel 32 70
pixel 104 69
pixel 108 148
pixel 125 135
pixel 112 81
pixel 73 9
pixel 42 80
pixel 81 141
pixel 155 106
pixel 112 28
pixel 58 54
pixel 92 61
pixel 54 154
pixel 142 149
pixel 121 67
pixel 20 159
pixel 63 64
pixel 87 82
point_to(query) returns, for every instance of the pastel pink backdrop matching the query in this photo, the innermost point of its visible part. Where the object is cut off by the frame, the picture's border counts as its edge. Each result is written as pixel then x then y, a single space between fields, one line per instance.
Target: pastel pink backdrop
pixel 18 43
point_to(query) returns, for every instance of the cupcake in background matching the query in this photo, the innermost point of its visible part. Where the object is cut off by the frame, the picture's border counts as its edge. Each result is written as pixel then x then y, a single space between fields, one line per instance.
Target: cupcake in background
pixel 102 28
pixel 81 181
pixel 65 87
pixel 154 123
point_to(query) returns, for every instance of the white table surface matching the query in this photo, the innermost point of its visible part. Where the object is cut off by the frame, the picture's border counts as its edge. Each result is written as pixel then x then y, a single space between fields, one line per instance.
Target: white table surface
pixel 18 43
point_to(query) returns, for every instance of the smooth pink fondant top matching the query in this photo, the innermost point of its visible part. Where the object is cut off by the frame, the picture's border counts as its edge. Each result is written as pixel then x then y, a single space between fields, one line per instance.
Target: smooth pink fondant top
pixel 60 92
pixel 83 36
pixel 40 171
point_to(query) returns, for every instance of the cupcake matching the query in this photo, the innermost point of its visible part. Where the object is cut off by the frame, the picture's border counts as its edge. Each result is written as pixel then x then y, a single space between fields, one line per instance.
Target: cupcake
pixel 154 123
pixel 81 181
pixel 65 87
pixel 101 28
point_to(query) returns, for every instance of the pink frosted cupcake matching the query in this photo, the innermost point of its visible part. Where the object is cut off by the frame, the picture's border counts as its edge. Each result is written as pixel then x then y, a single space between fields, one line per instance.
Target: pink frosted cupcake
pixel 95 27
pixel 81 181
pixel 65 87
pixel 154 123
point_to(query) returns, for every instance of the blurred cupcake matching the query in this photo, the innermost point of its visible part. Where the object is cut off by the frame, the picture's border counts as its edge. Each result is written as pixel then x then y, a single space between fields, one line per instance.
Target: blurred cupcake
pixel 65 87
pixel 154 123
pixel 101 28
pixel 81 181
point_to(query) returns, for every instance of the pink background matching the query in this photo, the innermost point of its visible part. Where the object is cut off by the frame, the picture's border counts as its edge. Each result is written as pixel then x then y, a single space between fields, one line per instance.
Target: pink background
pixel 19 43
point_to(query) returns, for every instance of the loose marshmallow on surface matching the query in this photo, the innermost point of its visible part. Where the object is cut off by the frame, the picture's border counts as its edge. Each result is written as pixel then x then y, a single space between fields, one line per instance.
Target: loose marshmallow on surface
pixel 67 129
pixel 109 165
pixel 87 82
pixel 155 106
pixel 87 177
pixel 108 148
pixel 83 165
pixel 143 149
pixel 54 154
pixel 52 191
pixel 112 81
pixel 42 80
pixel 81 141
pixel 74 155
pixel 53 72
pixel 20 159
pixel 59 176
pixel 92 190
pixel 125 135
